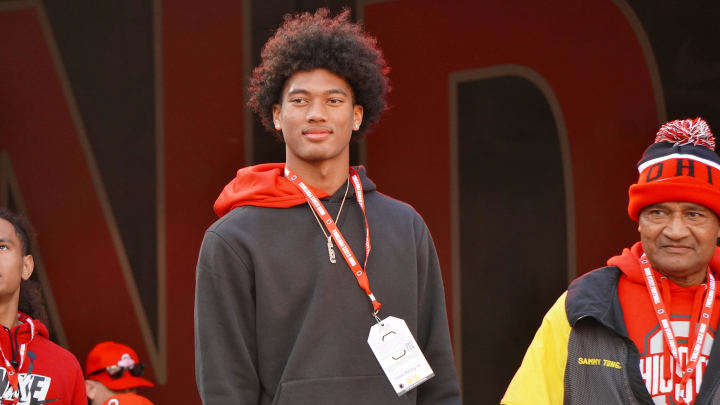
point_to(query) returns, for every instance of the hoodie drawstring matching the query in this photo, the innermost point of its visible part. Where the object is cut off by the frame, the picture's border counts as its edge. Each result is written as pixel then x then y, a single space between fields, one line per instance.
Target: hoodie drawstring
pixel 694 316
pixel 667 357
pixel 14 346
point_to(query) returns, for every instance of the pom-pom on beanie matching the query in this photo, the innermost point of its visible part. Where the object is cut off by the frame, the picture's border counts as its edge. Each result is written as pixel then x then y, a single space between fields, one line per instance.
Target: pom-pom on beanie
pixel 680 166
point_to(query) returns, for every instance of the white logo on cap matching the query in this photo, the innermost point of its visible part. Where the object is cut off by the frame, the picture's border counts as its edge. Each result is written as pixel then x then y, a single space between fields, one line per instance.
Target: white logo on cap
pixel 126 361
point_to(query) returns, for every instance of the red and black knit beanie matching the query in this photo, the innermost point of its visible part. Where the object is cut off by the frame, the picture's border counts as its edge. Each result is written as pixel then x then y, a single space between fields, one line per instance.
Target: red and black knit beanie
pixel 680 166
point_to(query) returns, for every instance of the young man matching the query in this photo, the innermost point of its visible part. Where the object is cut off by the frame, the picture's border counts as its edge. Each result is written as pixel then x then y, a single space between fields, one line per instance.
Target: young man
pixel 643 329
pixel 33 370
pixel 305 252
pixel 114 373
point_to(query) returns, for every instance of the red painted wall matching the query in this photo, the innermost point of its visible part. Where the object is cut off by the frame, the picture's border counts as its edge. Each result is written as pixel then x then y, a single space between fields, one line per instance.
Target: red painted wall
pixel 56 184
pixel 588 54
pixel 202 102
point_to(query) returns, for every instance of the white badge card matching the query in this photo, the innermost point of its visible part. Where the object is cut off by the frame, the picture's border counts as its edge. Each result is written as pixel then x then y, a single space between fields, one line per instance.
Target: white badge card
pixel 399 355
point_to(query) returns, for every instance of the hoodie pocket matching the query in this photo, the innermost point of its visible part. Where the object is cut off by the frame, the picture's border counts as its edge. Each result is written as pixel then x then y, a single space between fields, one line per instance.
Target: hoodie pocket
pixel 358 390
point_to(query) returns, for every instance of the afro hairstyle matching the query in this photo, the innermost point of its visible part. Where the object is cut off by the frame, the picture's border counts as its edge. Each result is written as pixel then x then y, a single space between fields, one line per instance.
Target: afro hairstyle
pixel 312 41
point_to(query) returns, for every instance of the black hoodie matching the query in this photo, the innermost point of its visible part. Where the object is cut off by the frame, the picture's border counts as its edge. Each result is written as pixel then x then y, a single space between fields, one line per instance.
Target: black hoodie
pixel 277 323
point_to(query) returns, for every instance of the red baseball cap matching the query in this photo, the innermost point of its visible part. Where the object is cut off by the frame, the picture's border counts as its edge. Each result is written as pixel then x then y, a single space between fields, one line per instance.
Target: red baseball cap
pixel 108 359
pixel 127 399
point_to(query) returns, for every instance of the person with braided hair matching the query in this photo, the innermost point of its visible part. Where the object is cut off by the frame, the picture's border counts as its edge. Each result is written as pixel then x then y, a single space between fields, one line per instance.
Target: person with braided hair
pixel 312 287
pixel 642 330
pixel 33 369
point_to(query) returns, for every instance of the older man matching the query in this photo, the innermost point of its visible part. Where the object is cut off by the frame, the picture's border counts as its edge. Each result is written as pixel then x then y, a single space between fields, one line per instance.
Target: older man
pixel 642 330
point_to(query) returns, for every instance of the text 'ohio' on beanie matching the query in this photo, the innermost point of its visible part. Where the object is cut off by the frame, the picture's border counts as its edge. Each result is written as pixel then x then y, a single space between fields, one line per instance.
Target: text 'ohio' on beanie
pixel 680 166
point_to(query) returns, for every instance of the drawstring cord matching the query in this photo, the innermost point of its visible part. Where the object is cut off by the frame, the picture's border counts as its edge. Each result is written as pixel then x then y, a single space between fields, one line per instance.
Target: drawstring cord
pixel 667 357
pixel 692 332
pixel 695 314
pixel 15 351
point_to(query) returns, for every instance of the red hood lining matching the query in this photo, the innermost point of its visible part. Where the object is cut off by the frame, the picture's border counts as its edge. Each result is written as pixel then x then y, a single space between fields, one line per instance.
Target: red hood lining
pixel 265 185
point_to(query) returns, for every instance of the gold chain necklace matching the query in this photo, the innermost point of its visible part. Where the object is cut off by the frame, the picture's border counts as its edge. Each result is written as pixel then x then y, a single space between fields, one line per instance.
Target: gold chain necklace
pixel 331 251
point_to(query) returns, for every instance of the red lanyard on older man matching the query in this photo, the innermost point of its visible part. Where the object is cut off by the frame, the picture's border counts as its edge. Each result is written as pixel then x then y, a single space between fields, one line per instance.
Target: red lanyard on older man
pixel 664 320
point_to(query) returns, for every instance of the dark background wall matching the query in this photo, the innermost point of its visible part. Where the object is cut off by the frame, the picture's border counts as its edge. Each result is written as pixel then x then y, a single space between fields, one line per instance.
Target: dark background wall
pixel 514 129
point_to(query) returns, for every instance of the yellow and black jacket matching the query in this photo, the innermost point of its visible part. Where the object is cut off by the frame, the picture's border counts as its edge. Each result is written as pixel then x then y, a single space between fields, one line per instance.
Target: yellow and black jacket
pixel 582 355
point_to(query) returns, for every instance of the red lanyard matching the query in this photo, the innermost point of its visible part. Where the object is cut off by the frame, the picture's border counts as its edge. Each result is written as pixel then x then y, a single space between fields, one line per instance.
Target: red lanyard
pixel 11 372
pixel 664 320
pixel 319 208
